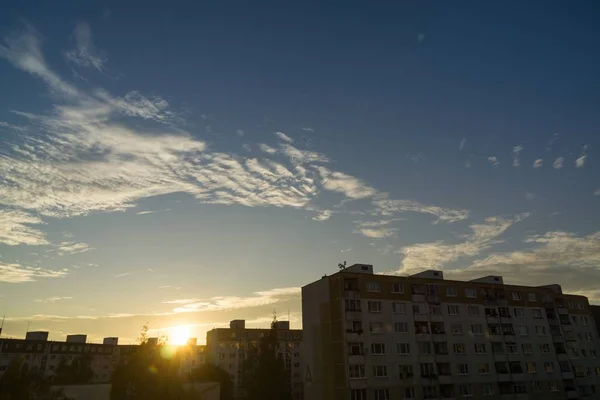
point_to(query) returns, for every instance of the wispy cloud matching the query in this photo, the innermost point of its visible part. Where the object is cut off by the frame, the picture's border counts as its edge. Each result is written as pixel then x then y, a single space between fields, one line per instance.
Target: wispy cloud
pixel 580 161
pixel 284 137
pixel 552 141
pixel 308 129
pixel 239 132
pixel 597 192
pixel 437 254
pixel 124 274
pixel 257 299
pixel 558 163
pixel 388 207
pixel 376 229
pixel 516 152
pixel 151 211
pixel 92 154
pixel 494 161
pixel 86 54
pixel 15 273
pixel 73 248
pixel 52 300
pixel 555 255
pixel 462 144
pixel 539 163
pixel 15 229
pixel 348 185
pixel 181 301
pixel 322 215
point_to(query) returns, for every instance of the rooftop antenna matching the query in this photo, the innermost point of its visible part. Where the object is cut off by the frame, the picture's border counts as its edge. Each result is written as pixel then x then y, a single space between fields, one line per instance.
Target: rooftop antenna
pixel 28 325
pixel 342 265
pixel 289 322
pixel 2 325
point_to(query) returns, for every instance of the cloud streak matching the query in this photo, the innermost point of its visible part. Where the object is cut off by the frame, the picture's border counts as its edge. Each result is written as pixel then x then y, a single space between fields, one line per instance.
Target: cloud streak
pixel 15 273
pixel 86 54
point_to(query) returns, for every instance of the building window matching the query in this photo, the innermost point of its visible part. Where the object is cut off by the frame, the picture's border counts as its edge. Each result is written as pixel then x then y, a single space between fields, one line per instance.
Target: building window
pixel 419 308
pixel 584 320
pixel 456 329
pixel 515 367
pixel 527 348
pixel 549 366
pixel 405 371
pixel 488 389
pixel 520 388
pixel 540 330
pixel 477 329
pixel 399 308
pixel 474 311
pixel 459 348
pixel 480 348
pixel 465 390
pixel 483 368
pixel 409 393
pixel 553 386
pixel 450 291
pixel 378 349
pixel 376 327
pixel 519 312
pixel 530 366
pixel 531 297
pixel 358 394
pixel 357 371
pixel 544 348
pixel 400 327
pixel 472 293
pixel 397 288
pixel 380 371
pixel 424 347
pixel 463 369
pixel 523 330
pixel 382 394
pixel 589 337
pixel 374 306
pixel 511 348
pixel 352 305
pixel 435 309
pixel 427 369
pixel 429 392
pixel 403 348
pixel 537 313
pixel 453 309
pixel 516 295
pixel 373 287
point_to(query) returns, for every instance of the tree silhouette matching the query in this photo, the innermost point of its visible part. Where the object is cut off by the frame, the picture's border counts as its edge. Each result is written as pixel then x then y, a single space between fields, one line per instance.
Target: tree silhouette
pixel 264 376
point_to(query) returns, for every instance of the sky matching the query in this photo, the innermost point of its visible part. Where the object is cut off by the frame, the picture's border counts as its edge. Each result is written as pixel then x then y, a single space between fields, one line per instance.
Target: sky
pixel 185 164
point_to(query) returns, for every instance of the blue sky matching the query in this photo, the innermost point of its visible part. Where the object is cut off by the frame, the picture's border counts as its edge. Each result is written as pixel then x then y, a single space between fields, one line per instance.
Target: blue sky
pixel 191 164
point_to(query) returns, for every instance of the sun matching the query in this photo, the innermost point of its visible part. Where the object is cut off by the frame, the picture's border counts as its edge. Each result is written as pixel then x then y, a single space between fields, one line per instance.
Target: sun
pixel 179 335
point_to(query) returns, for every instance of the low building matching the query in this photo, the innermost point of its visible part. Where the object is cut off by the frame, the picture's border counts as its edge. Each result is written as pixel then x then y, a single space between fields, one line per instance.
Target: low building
pixel 228 348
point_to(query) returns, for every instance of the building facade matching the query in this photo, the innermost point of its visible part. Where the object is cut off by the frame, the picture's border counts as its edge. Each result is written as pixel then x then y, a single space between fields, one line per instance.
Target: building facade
pixel 43 356
pixel 378 337
pixel 228 347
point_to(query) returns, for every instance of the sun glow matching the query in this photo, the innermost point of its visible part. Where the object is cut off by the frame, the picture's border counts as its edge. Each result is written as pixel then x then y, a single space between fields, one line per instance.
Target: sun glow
pixel 179 335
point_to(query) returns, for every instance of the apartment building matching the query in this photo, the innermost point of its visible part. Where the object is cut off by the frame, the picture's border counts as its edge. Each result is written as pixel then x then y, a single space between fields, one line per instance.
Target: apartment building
pixel 379 337
pixel 228 348
pixel 43 356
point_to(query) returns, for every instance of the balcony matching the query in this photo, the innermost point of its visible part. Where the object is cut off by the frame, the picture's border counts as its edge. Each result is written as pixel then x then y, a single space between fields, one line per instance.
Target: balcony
pixel 421 317
pixel 445 379
pixel 418 298
pixel 356 359
pixel 357 383
pixel 354 336
pixel 353 315
pixel 563 311
pixel 572 394
pixel 504 377
pixel 439 337
pixel 567 375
